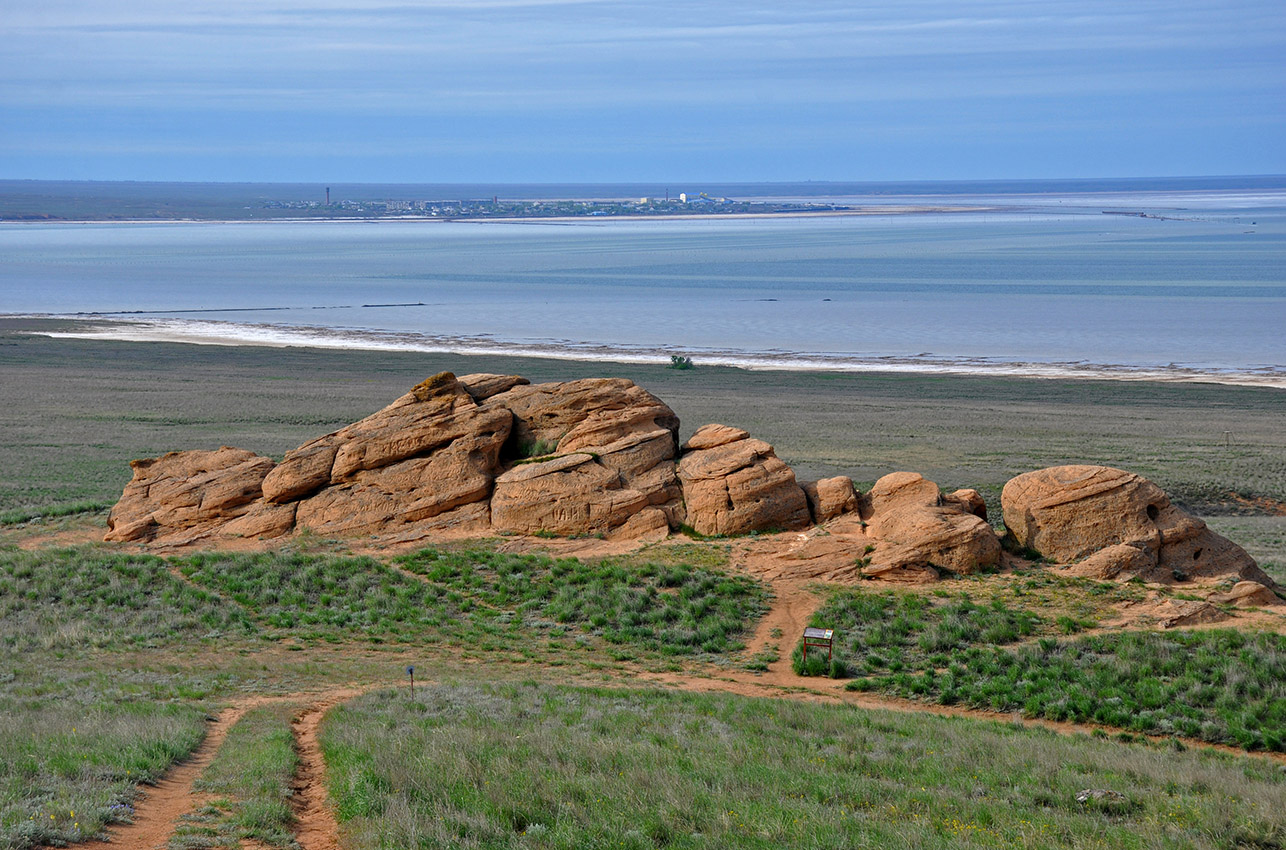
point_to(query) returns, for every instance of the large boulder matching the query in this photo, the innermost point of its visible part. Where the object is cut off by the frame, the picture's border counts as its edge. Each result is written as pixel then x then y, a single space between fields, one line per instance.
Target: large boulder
pixel 917 529
pixel 578 415
pixel 830 497
pixel 733 484
pixel 437 414
pixel 569 494
pixel 631 436
pixel 1246 594
pixel 187 493
pixel 1068 513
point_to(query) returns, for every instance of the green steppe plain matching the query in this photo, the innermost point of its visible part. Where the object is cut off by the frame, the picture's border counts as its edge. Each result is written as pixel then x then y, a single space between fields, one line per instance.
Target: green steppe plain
pixel 532 728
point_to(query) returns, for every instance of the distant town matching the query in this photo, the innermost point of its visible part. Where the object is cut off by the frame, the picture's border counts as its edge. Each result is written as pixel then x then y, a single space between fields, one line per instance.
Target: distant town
pixel 496 207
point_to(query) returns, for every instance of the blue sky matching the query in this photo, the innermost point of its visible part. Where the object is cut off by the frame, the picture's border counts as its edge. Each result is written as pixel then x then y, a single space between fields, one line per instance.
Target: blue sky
pixel 616 90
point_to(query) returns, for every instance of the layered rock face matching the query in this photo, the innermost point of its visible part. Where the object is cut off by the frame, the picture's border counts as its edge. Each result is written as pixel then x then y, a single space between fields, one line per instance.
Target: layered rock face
pixel 444 456
pixel 734 484
pixel 184 491
pixel 611 447
pixel 919 528
pixel 495 453
pixel 1096 513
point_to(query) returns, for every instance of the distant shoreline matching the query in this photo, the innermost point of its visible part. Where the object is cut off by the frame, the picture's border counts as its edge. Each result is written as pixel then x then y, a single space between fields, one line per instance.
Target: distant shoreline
pixel 224 333
pixel 564 219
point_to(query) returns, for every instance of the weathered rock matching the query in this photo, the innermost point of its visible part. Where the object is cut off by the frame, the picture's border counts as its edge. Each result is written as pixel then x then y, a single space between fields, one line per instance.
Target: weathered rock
pixel 645 462
pixel 904 509
pixel 1246 594
pixel 483 385
pixel 1188 612
pixel 968 500
pixel 712 436
pixel 830 497
pixel 649 524
pixel 403 493
pixel 738 487
pixel 580 415
pixel 429 418
pixel 1069 512
pixel 303 470
pixel 565 495
pixel 187 492
pixel 434 415
pixel 1121 561
pixel 467 520
pixel 264 519
pixel 447 459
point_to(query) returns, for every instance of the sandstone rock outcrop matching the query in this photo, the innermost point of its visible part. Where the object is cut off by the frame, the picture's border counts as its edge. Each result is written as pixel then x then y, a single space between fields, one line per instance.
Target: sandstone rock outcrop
pixel 830 497
pixel 600 457
pixel 1246 594
pixel 430 461
pixel 1120 561
pixel 187 493
pixel 917 528
pixel 1070 512
pixel 611 447
pixel 734 484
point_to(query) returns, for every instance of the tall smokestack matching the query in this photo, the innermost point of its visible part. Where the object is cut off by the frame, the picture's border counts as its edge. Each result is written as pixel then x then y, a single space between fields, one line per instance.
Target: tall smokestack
pixel 327 196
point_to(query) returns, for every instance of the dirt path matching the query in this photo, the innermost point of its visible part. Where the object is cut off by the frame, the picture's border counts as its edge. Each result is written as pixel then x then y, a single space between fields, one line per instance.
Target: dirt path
pixel 157 811
pixel 793 604
pixel 317 828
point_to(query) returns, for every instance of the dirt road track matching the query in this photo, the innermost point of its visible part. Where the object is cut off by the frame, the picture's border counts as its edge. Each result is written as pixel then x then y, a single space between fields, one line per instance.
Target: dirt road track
pixel 159 810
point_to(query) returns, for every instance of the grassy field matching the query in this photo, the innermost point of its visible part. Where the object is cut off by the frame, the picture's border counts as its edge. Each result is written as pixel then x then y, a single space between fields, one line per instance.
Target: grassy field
pixel 74 748
pixel 111 659
pixel 1018 651
pixel 534 765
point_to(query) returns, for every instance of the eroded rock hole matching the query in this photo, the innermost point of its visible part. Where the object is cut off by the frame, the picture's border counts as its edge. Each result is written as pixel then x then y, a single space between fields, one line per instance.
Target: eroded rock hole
pixel 1153 512
pixel 1196 555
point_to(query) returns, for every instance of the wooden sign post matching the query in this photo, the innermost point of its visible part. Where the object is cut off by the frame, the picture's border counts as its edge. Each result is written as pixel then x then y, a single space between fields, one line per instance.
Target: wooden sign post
pixel 818 638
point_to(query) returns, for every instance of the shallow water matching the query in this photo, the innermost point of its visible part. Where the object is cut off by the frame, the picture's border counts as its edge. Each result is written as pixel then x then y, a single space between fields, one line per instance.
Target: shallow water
pixel 1049 285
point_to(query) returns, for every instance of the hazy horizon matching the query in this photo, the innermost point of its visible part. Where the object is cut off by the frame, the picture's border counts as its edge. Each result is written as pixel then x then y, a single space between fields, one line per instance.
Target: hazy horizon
pixel 594 92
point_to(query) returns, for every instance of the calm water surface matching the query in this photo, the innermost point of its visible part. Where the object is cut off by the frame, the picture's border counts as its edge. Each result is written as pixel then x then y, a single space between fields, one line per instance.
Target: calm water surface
pixel 1052 284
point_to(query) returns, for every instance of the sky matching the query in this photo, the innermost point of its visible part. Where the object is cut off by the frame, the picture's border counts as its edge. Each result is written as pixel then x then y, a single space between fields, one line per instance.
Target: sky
pixel 620 91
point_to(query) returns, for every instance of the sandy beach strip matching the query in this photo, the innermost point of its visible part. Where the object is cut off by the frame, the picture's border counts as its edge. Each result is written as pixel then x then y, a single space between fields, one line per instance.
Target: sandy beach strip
pixel 225 333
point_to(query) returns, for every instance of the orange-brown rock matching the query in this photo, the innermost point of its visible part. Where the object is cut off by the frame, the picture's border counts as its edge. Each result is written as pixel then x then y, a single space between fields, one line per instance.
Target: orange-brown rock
pixel 645 462
pixel 451 457
pixel 1120 561
pixel 915 530
pixel 830 497
pixel 1175 613
pixel 483 385
pixel 712 436
pixel 187 493
pixel 968 500
pixel 434 415
pixel 569 494
pixel 1069 512
pixel 1246 594
pixel 585 414
pixel 739 486
pixel 401 493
